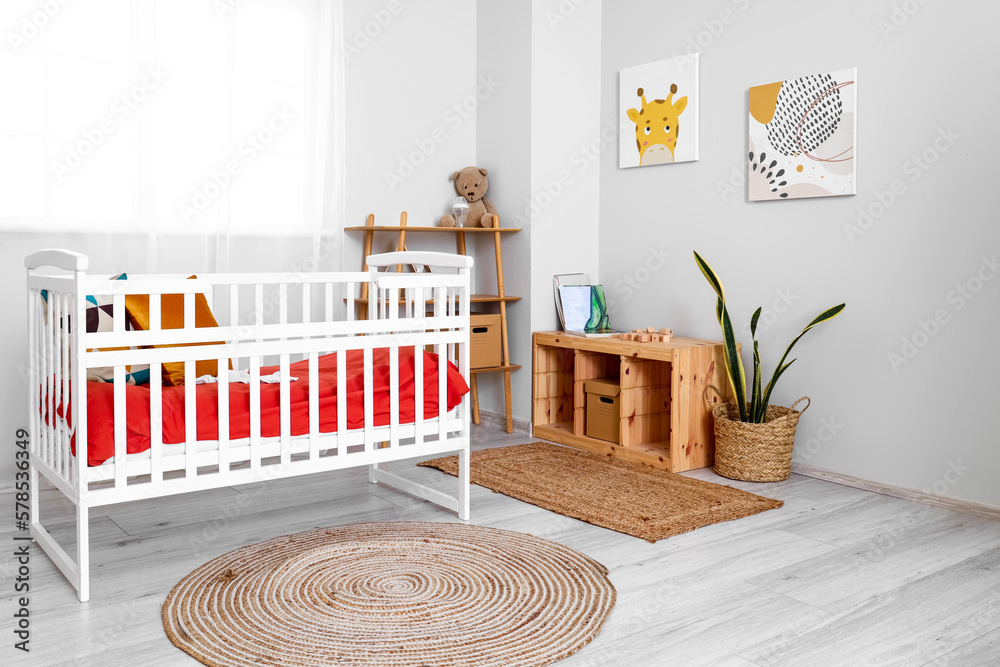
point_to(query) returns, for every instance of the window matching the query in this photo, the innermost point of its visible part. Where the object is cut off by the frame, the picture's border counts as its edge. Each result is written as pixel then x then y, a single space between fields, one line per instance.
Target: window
pixel 169 115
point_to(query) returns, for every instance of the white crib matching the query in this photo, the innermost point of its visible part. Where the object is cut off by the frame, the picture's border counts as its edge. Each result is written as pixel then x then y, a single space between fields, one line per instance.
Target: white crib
pixel 305 328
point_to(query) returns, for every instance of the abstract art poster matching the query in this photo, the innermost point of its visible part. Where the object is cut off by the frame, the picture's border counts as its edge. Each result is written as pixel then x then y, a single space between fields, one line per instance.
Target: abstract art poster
pixel 803 134
pixel 659 104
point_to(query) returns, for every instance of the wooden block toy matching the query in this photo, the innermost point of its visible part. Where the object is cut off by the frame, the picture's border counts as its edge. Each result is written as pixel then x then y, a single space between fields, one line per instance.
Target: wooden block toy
pixel 647 335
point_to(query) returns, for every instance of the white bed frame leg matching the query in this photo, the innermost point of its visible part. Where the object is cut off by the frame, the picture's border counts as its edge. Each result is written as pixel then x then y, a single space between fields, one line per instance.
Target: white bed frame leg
pixel 372 473
pixel 82 551
pixel 78 572
pixel 463 484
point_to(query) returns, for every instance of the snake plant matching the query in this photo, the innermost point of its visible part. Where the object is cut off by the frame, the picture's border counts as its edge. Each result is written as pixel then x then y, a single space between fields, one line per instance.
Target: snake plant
pixel 759 399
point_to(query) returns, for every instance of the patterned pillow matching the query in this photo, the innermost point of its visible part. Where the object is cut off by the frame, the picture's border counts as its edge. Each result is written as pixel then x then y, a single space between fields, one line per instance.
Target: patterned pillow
pixel 99 317
pixel 172 317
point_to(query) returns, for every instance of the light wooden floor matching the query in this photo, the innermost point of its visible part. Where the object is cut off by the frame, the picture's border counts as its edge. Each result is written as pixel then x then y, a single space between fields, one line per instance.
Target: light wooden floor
pixel 837 576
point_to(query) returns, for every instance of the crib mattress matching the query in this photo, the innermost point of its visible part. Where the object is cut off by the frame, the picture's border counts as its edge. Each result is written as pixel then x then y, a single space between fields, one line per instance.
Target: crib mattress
pixel 101 417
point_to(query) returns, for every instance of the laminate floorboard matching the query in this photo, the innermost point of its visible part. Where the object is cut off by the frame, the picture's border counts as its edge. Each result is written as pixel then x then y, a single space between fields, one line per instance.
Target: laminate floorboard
pixel 837 576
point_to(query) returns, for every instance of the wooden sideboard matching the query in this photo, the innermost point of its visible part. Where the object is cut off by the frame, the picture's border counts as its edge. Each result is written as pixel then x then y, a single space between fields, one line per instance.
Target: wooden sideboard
pixel 665 421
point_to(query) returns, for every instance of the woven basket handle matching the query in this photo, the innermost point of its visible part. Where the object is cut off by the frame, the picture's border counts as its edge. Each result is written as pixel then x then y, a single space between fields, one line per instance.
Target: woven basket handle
pixel 717 392
pixel 804 398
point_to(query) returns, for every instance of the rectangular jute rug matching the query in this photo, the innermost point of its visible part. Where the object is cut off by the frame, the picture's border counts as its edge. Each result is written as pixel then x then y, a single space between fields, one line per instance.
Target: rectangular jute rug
pixel 626 497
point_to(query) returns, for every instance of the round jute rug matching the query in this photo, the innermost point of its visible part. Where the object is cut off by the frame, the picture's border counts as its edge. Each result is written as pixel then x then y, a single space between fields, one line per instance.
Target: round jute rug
pixel 391 594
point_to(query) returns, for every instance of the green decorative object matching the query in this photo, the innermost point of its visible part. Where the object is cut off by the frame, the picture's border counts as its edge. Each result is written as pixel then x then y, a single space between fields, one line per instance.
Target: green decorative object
pixel 599 320
pixel 756 411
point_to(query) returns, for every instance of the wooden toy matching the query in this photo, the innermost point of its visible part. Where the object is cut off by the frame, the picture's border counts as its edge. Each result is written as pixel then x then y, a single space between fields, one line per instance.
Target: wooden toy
pixel 647 335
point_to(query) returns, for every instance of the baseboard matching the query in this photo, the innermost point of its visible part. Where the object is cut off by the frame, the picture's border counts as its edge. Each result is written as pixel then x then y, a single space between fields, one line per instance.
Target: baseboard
pixel 499 422
pixel 902 492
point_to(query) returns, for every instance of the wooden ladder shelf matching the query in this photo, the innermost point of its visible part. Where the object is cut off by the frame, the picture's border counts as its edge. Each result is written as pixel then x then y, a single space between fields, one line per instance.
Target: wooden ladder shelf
pixel 501 298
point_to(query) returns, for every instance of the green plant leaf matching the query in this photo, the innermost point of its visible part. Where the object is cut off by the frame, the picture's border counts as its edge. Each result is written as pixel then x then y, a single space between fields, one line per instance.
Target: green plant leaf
pixel 753 323
pixel 756 399
pixel 714 281
pixel 734 365
pixel 709 274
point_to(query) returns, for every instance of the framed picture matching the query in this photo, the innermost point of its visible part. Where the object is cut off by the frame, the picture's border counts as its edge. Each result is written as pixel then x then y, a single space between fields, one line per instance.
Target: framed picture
pixel 658 103
pixel 802 137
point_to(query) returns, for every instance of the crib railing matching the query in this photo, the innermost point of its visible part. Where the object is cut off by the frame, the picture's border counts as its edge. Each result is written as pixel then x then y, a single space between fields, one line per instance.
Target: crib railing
pixel 319 321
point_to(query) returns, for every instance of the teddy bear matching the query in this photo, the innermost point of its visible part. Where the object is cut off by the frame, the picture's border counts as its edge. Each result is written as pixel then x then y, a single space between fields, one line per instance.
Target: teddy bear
pixel 471 183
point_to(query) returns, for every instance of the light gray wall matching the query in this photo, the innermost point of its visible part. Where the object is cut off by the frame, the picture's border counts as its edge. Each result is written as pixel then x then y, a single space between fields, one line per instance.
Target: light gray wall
pixel 540 131
pixel 925 424
pixel 412 99
pixel 565 120
pixel 503 146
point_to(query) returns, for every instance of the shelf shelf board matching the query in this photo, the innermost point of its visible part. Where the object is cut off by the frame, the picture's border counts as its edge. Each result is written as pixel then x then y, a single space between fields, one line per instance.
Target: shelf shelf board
pixel 656 454
pixel 396 228
pixel 474 298
pixel 496 369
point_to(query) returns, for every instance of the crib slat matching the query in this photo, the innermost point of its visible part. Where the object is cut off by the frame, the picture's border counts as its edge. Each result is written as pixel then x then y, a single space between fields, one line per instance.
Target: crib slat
pixel 223 415
pixel 155 399
pixel 46 373
pixel 285 411
pixel 283 305
pixel 33 429
pixel 190 417
pixel 234 312
pixel 306 303
pixel 369 376
pixel 349 315
pixel 258 306
pixel 189 321
pixel 394 396
pixel 66 464
pixel 155 309
pixel 418 373
pixel 440 310
pixel 328 305
pixel 393 308
pixel 58 305
pixel 255 413
pixel 155 414
pixel 313 406
pixel 341 400
pixel 120 421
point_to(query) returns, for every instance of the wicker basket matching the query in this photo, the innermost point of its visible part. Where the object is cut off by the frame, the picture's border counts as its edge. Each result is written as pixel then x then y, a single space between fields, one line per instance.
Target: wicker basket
pixel 754 452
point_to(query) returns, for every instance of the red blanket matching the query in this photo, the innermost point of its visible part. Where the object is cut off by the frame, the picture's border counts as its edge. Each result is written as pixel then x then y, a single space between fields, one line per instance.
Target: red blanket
pixel 100 403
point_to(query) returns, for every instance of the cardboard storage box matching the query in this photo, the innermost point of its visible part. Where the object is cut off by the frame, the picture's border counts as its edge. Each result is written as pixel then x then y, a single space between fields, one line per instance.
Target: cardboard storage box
pixel 484 341
pixel 603 409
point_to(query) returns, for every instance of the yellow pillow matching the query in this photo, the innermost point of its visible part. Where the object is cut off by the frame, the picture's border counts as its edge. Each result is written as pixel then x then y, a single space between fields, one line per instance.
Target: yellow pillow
pixel 172 317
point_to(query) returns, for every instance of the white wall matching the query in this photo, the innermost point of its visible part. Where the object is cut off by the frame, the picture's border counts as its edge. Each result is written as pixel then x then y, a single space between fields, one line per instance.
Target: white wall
pixel 541 131
pixel 925 423
pixel 565 121
pixel 411 120
pixel 503 146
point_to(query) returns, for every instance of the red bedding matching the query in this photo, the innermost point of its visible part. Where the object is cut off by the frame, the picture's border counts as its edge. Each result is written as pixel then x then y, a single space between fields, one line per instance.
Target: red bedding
pixel 100 403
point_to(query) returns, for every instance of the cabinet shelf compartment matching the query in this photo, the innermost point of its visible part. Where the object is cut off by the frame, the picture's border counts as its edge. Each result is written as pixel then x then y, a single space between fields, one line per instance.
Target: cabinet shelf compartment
pixel 665 422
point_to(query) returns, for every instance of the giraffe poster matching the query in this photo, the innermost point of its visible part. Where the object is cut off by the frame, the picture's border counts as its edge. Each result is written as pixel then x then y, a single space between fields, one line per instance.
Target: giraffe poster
pixel 659 104
pixel 803 136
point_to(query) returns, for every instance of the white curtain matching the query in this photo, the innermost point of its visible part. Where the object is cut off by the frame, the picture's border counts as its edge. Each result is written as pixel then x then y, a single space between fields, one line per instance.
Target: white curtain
pixel 212 119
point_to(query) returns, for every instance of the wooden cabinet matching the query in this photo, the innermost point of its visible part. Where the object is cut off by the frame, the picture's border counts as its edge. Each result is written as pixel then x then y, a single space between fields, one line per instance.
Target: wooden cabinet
pixel 665 421
pixel 501 298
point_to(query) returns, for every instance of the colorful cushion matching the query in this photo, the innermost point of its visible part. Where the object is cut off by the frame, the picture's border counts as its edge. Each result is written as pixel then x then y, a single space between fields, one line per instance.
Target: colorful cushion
pixel 172 317
pixel 99 317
